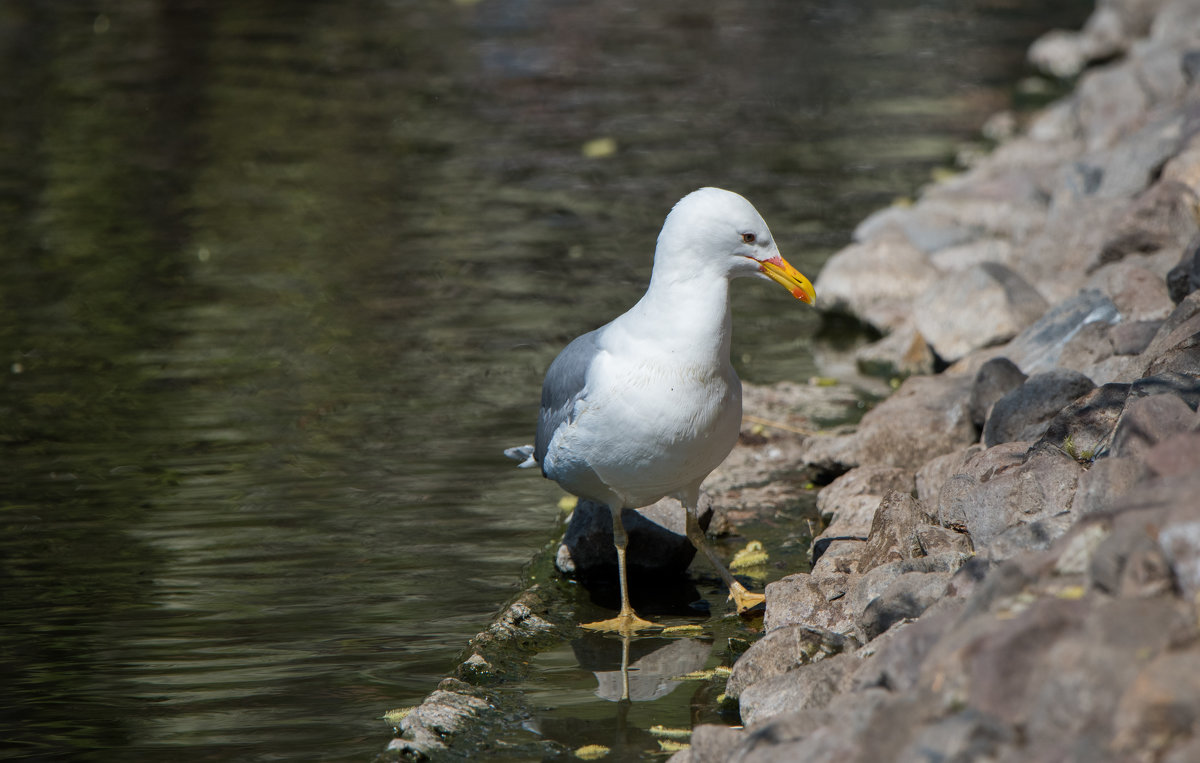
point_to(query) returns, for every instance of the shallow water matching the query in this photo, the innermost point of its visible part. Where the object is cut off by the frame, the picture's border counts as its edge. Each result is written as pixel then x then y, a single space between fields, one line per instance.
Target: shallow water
pixel 278 282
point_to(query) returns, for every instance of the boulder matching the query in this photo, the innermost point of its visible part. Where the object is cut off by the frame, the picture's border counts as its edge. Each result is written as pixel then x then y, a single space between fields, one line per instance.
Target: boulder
pixel 1039 346
pixel 995 379
pixel 657 543
pixel 985 304
pixel 926 417
pixel 876 281
pixel 783 650
pixel 1026 412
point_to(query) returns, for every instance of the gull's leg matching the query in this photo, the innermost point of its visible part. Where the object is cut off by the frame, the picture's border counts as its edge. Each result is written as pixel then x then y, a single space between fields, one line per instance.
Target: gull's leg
pixel 627 621
pixel 744 599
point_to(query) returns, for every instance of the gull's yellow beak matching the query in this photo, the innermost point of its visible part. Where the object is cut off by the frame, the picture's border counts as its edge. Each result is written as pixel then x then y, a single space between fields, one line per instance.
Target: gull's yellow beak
pixel 782 273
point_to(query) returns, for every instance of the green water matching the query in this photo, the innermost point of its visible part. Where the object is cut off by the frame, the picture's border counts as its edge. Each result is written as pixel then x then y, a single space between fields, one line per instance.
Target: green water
pixel 278 282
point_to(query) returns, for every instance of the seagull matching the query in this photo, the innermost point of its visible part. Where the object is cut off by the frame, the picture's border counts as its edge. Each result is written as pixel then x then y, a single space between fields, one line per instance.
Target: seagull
pixel 648 405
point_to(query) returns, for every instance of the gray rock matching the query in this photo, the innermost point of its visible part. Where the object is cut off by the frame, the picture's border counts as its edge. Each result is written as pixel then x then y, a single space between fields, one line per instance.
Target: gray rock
pixel 922 225
pixel 1147 421
pixel 1174 347
pixel 1176 456
pixel 893 533
pixel 1109 102
pixel 810 687
pixel 1108 479
pixel 712 743
pixel 1084 427
pixel 850 501
pixel 657 544
pixel 876 281
pixel 893 660
pixel 926 417
pixel 983 305
pixel 1131 337
pixel 782 650
pixel 1184 278
pixel 1160 218
pixel 1026 412
pixel 1039 346
pixel 800 600
pixel 967 735
pixel 936 471
pixel 995 379
pixel 1040 487
pixel 1186 387
pixel 903 352
pixel 905 598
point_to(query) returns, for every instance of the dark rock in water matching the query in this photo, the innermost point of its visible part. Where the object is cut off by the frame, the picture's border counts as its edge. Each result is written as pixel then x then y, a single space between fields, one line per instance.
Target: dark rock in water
pixel 657 543
pixel 985 304
pixel 1084 427
pixel 995 379
pixel 1131 337
pixel 782 650
pixel 1184 278
pixel 1148 421
pixel 1026 412
pixel 1039 346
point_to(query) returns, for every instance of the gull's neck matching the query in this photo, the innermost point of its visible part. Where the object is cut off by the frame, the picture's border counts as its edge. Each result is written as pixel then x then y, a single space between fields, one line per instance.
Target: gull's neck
pixel 683 315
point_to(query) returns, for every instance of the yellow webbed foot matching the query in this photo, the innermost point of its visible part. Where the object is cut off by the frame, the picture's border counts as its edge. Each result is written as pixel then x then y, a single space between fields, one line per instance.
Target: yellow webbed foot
pixel 745 600
pixel 626 623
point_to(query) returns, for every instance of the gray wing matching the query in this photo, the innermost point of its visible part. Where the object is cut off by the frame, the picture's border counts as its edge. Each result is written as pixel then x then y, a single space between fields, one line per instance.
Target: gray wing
pixel 565 383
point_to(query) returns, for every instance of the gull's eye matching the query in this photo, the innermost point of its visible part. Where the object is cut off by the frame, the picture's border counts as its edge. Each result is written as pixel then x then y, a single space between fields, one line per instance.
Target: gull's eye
pixel 748 238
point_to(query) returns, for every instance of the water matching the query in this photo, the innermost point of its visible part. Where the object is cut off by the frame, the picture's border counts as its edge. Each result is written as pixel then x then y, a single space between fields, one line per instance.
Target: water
pixel 278 282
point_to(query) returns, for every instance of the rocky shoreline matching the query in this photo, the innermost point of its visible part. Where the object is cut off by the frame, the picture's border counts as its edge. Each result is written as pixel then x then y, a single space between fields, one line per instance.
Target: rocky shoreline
pixel 1011 569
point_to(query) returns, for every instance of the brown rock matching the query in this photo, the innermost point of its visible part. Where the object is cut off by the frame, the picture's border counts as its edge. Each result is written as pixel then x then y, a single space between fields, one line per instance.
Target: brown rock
pixel 782 650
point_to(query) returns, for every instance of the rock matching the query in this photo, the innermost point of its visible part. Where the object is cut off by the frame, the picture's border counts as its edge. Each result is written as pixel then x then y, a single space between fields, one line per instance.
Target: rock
pixel 1107 480
pixel 926 417
pixel 923 225
pixel 657 544
pixel 1184 278
pixel 1147 421
pixel 893 660
pixel 876 281
pixel 974 252
pixel 1174 347
pixel 1139 293
pixel 782 650
pixel 995 379
pixel 1040 487
pixel 809 687
pixel 799 600
pixel 1186 387
pixel 712 743
pixel 983 305
pixel 893 533
pixel 903 352
pixel 1161 705
pixel 1084 427
pixel 851 499
pixel 1163 217
pixel 1177 455
pixel 1026 412
pixel 1039 346
pixel 1131 337
pixel 904 598
pixel 936 471
pixel 1109 102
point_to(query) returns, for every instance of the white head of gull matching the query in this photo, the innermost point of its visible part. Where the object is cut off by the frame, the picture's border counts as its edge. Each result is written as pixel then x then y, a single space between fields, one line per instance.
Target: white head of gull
pixel 647 405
